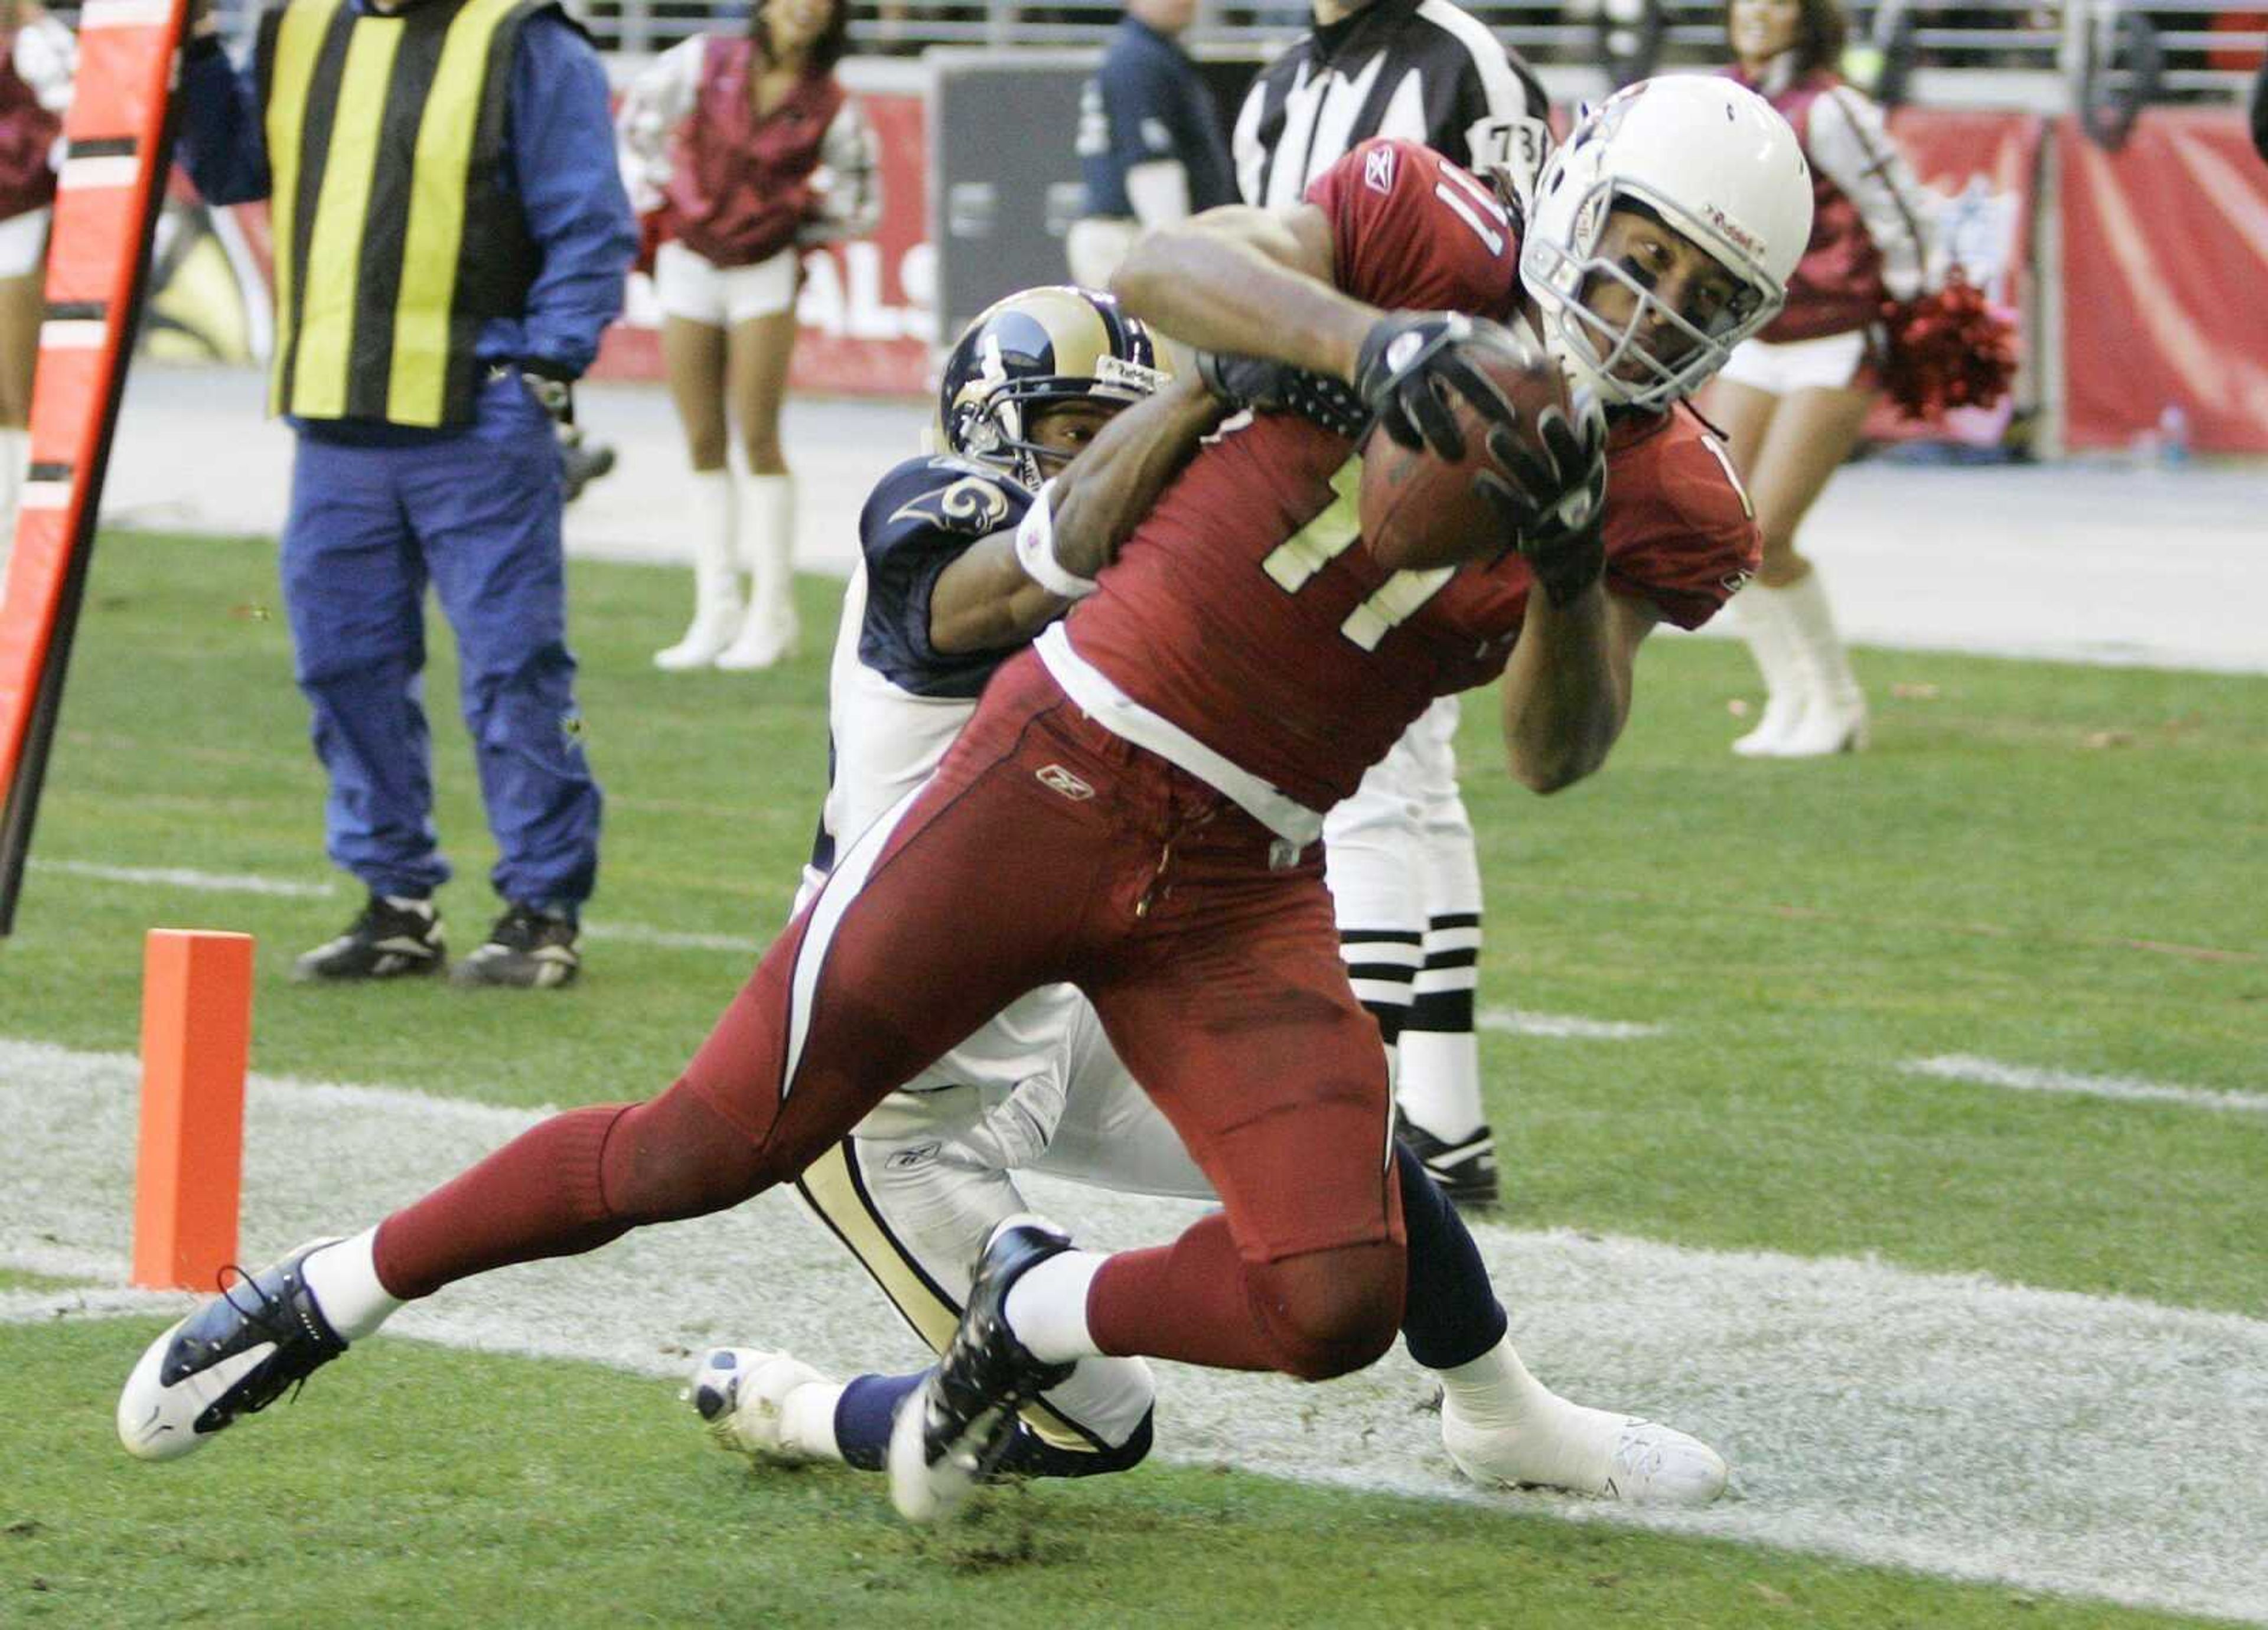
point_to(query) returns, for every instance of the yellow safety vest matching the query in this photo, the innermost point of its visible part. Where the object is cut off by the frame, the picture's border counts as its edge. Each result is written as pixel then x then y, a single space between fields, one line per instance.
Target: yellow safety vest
pixel 397 231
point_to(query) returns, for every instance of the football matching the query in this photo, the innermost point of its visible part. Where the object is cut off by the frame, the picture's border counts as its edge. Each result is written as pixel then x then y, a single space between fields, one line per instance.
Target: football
pixel 1419 512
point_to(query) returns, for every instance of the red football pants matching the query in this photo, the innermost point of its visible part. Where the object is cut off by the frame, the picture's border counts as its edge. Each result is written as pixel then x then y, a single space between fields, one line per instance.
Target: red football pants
pixel 1045 849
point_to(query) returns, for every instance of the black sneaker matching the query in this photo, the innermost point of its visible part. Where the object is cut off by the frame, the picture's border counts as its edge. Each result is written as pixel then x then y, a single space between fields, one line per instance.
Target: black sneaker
pixel 1465 1170
pixel 234 1356
pixel 529 949
pixel 583 462
pixel 394 938
pixel 951 1433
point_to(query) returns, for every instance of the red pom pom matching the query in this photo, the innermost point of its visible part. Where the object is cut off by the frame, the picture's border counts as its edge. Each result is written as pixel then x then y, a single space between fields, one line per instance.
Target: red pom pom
pixel 1948 350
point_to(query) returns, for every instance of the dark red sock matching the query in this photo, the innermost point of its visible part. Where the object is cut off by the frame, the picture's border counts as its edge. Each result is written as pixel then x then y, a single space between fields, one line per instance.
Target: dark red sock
pixel 538 1196
pixel 1186 1301
pixel 570 1185
pixel 1319 1314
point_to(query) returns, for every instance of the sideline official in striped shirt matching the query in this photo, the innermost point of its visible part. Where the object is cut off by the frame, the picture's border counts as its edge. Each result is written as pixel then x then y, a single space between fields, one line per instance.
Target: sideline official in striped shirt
pixel 1421 70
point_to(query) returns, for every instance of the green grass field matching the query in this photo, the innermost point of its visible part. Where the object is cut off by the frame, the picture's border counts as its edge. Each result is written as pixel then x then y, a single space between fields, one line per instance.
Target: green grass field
pixel 2051 867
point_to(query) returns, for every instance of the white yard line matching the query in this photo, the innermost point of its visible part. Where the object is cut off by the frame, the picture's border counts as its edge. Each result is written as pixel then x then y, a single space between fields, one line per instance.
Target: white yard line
pixel 1562 1027
pixel 185 877
pixel 32 1307
pixel 2020 1078
pixel 1939 1422
pixel 255 883
pixel 673 938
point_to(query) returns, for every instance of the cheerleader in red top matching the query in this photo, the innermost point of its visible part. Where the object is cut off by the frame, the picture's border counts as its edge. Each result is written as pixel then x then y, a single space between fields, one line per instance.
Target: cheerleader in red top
pixel 1792 401
pixel 37 56
pixel 751 152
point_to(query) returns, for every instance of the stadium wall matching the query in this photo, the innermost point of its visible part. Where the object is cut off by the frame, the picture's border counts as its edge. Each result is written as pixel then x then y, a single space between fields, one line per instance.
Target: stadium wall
pixel 2131 271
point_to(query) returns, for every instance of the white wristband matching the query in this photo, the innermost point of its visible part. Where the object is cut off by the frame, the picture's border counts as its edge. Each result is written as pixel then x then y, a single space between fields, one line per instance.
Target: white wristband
pixel 1036 549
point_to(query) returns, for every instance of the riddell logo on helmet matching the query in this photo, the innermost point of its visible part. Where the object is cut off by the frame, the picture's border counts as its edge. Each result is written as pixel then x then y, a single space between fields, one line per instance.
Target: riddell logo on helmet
pixel 1739 236
pixel 1378 169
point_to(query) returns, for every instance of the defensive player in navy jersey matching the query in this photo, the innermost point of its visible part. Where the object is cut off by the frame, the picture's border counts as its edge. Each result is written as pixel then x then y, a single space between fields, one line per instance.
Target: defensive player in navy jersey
pixel 1157 763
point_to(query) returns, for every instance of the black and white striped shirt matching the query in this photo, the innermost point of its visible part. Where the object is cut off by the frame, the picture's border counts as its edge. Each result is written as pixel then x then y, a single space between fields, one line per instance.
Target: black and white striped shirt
pixel 1421 70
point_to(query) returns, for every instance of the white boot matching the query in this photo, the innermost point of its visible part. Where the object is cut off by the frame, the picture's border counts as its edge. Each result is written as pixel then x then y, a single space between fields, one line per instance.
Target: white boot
pixel 716 586
pixel 1769 627
pixel 770 634
pixel 1503 1427
pixel 1835 712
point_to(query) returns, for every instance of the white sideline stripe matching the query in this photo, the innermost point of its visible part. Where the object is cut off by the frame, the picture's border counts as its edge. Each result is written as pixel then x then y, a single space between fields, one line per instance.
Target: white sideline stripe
pixel 185 877
pixel 254 883
pixel 1939 1422
pixel 671 939
pixel 30 1307
pixel 1562 1027
pixel 1991 1072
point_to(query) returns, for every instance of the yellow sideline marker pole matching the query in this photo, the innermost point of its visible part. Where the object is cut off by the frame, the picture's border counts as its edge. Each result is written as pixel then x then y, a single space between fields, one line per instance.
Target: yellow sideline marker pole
pixel 197 1041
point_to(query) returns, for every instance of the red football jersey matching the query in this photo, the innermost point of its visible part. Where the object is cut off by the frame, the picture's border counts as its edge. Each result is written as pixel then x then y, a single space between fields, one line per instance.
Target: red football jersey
pixel 1241 609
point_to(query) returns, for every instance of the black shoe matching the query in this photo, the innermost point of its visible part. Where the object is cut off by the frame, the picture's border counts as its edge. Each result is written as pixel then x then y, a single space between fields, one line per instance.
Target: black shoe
pixel 394 938
pixel 234 1356
pixel 529 949
pixel 951 1433
pixel 1465 1170
pixel 582 462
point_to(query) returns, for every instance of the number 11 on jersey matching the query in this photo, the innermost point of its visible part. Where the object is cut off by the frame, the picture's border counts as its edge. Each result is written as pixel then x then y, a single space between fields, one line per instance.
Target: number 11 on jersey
pixel 1294 563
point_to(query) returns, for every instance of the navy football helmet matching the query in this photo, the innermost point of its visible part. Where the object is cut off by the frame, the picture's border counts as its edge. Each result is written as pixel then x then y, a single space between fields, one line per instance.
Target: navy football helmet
pixel 1042 346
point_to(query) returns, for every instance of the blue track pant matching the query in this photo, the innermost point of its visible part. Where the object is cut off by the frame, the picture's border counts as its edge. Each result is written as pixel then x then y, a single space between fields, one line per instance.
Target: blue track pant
pixel 477 515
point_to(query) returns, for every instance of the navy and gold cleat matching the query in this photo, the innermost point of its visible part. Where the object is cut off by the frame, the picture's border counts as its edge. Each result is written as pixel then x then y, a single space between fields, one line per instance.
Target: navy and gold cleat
pixel 952 1434
pixel 234 1356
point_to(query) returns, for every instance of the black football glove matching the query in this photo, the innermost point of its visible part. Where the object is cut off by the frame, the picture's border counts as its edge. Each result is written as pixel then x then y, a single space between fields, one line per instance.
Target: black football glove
pixel 1553 497
pixel 1409 363
pixel 1275 387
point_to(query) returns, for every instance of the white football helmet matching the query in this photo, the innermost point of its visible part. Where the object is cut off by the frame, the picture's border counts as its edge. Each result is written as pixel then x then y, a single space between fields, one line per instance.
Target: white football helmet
pixel 1722 168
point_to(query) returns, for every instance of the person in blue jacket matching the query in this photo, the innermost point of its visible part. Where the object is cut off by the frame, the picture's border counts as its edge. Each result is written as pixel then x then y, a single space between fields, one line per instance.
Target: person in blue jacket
pixel 452 237
pixel 1150 144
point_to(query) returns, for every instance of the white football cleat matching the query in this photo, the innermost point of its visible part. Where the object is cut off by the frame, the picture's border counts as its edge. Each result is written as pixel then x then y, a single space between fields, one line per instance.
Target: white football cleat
pixel 234 1356
pixel 1659 1465
pixel 1587 1451
pixel 742 1394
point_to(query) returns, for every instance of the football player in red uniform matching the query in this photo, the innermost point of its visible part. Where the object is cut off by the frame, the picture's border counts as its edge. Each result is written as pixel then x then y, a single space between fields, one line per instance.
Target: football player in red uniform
pixel 1156 766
